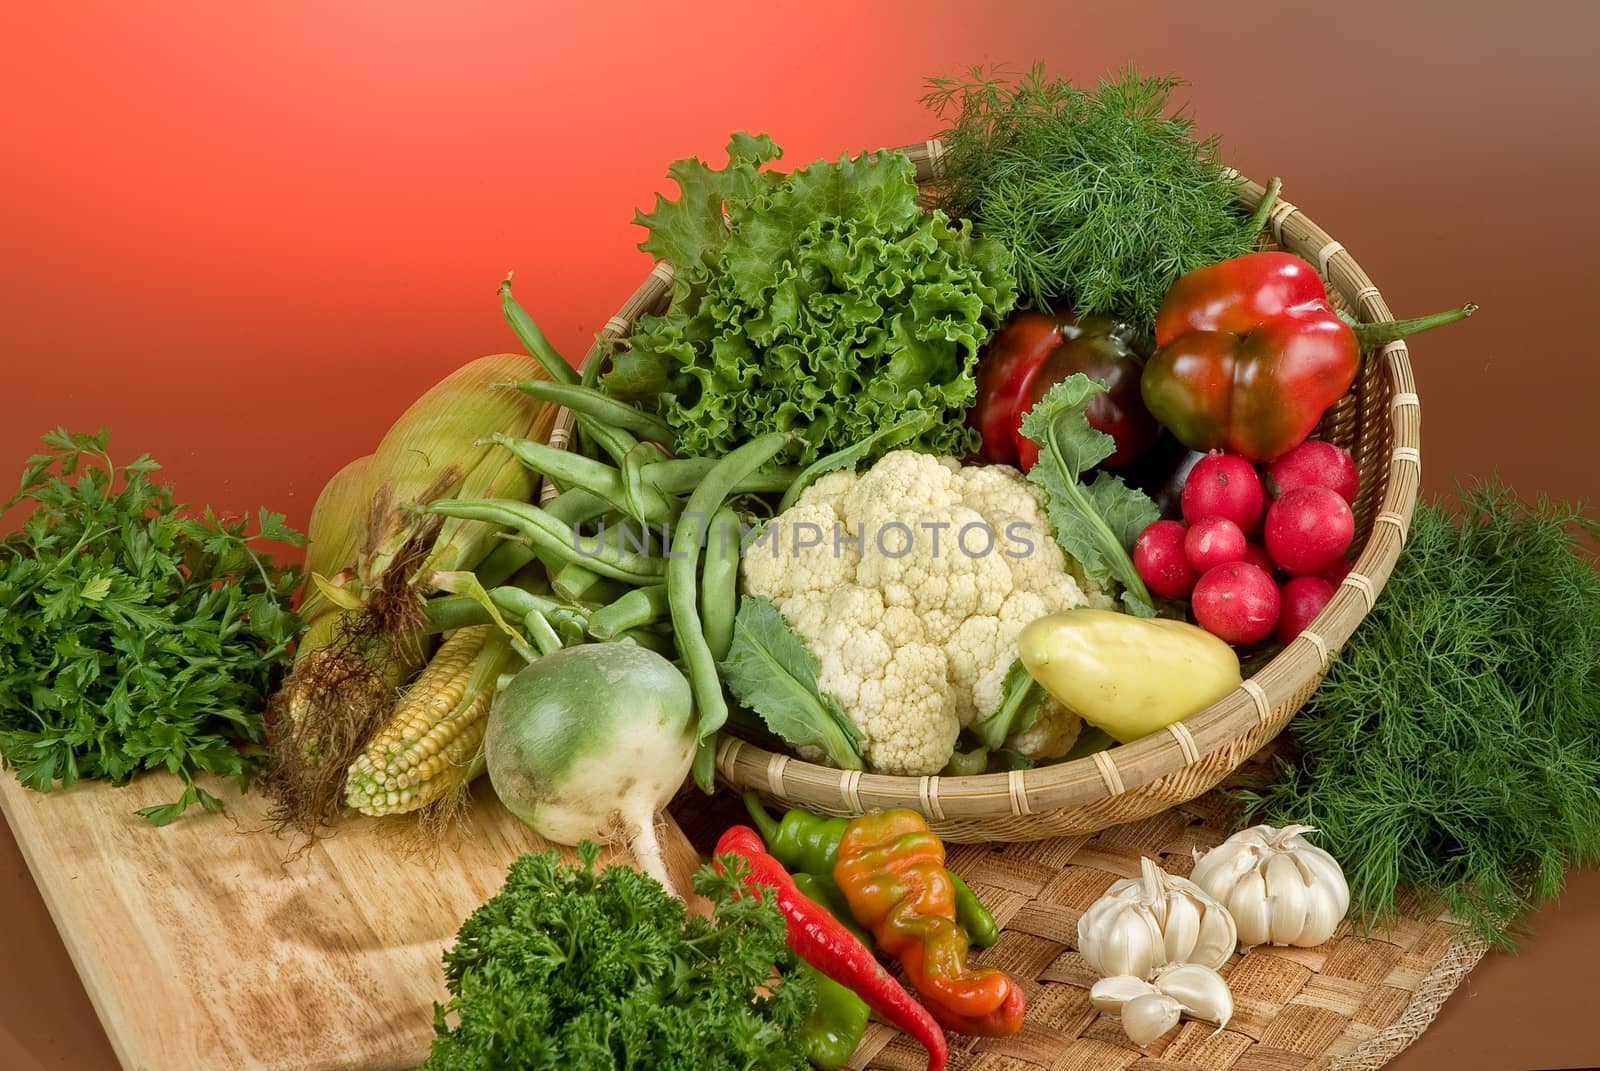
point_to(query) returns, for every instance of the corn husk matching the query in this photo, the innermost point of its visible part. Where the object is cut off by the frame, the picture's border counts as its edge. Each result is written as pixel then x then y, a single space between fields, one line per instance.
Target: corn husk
pixel 373 554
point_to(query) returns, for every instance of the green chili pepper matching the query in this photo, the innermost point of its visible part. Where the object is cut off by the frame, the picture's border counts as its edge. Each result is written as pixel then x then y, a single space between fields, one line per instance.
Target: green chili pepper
pixel 801 841
pixel 981 928
pixel 808 844
pixel 832 1031
pixel 822 891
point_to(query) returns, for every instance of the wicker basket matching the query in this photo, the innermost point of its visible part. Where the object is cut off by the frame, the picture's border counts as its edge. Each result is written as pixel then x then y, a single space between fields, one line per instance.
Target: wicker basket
pixel 1378 422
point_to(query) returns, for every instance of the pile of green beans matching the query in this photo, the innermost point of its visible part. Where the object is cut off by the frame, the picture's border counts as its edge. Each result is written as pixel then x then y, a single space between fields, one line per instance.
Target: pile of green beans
pixel 632 581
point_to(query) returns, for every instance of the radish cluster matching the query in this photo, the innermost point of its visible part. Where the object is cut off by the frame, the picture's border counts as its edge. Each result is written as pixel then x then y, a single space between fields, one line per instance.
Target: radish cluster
pixel 1228 554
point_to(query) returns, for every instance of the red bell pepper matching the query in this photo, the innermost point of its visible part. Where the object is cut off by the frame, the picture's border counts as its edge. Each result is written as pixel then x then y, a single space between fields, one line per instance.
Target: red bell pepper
pixel 1250 354
pixel 823 942
pixel 1033 353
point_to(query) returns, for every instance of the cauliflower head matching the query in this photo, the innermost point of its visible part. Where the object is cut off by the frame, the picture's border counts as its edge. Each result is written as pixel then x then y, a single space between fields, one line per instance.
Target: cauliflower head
pixel 910 583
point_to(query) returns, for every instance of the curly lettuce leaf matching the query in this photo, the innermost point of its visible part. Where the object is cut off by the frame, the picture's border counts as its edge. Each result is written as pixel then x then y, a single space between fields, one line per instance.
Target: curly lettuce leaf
pixel 772 671
pixel 826 303
pixel 1095 523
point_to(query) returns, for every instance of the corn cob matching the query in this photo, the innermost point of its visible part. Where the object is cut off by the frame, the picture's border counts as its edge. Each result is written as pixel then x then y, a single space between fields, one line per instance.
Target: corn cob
pixel 368 630
pixel 443 435
pixel 432 744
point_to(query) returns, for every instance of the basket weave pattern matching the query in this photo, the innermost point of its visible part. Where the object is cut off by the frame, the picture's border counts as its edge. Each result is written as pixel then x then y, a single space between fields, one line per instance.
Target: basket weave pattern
pixel 1378 422
pixel 1350 1004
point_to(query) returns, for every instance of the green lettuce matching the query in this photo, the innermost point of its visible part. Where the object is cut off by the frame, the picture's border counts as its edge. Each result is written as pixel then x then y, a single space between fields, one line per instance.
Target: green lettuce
pixel 823 301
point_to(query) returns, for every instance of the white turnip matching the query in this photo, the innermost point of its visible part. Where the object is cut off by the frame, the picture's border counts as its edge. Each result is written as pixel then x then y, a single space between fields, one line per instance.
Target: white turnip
pixel 593 740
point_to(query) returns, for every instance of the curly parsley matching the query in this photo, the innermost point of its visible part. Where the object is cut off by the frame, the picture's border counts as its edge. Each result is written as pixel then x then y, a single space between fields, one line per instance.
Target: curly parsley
pixel 133 636
pixel 571 968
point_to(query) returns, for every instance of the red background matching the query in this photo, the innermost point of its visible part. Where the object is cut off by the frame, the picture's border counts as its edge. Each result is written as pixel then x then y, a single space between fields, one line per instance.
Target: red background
pixel 245 236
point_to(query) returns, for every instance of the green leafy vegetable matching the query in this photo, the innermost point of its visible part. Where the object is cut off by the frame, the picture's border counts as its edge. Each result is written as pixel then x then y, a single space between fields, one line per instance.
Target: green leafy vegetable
pixel 1102 197
pixel 580 970
pixel 774 673
pixel 1452 747
pixel 825 301
pixel 1095 523
pixel 131 636
pixel 1020 699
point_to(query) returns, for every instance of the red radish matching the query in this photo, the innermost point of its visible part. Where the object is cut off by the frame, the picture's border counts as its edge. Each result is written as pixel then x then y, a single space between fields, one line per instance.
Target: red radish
pixel 1309 529
pixel 1302 599
pixel 1237 603
pixel 1158 556
pixel 1315 464
pixel 1335 573
pixel 1213 541
pixel 1224 485
pixel 1256 554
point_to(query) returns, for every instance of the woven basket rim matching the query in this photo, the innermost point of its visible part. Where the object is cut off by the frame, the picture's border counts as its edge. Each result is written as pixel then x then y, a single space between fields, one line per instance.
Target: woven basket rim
pixel 1127 767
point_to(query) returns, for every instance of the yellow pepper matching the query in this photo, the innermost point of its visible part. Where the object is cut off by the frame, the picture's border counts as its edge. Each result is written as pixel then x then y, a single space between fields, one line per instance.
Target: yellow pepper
pixel 1129 676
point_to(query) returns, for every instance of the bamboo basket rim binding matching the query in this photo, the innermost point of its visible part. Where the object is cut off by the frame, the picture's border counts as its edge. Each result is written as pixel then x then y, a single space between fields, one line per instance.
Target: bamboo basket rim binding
pixel 1378 421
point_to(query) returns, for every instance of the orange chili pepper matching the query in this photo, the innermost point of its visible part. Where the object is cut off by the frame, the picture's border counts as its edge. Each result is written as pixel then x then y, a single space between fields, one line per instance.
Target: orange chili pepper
pixel 891 869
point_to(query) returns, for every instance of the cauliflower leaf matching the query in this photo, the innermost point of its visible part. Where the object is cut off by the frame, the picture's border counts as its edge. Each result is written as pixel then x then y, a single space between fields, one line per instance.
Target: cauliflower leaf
pixel 773 672
pixel 1095 523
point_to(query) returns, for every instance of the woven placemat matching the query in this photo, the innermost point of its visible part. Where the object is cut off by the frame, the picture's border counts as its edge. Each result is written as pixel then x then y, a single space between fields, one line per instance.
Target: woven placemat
pixel 1351 1004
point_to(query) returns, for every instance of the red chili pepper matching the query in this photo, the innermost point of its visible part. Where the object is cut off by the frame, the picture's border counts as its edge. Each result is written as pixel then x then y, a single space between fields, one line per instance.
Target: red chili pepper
pixel 822 941
pixel 1250 354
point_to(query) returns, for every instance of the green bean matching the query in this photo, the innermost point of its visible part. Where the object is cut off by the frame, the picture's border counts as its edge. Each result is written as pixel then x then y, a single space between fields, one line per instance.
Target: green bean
pixel 575 506
pixel 542 633
pixel 503 562
pixel 719 582
pixel 546 533
pixel 614 442
pixel 681 475
pixel 447 612
pixel 634 609
pixel 574 581
pixel 533 339
pixel 852 455
pixel 575 471
pixel 681 573
pixel 589 402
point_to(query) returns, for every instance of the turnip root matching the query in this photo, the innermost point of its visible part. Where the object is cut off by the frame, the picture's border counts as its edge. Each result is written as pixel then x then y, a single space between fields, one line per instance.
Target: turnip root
pixel 593 739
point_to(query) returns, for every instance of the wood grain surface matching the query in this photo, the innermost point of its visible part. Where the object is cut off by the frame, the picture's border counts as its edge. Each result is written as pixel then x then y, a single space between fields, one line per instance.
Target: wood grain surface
pixel 213 945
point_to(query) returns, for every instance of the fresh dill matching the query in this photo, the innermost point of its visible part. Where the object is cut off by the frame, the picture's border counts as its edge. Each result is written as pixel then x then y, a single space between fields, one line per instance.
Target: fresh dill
pixel 1454 747
pixel 1103 196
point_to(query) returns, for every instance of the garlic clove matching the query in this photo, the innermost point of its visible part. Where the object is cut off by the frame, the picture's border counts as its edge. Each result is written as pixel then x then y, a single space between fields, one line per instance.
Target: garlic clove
pixel 1217 870
pixel 1148 1017
pixel 1287 899
pixel 1323 915
pixel 1248 906
pixel 1182 929
pixel 1110 994
pixel 1218 937
pixel 1203 992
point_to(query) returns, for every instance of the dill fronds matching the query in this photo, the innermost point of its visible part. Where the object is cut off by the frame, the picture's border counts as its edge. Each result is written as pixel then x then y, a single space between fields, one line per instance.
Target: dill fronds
pixel 1103 197
pixel 1455 745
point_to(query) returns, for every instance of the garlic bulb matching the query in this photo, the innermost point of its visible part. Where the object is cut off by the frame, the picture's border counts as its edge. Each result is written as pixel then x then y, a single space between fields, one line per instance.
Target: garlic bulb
pixel 1150 921
pixel 1148 1017
pixel 1280 888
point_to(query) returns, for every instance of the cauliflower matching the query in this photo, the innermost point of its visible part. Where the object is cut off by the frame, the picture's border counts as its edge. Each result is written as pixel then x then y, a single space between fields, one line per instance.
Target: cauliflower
pixel 910 583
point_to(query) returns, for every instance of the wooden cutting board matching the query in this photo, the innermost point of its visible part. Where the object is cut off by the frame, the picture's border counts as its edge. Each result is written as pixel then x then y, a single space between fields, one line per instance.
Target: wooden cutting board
pixel 210 945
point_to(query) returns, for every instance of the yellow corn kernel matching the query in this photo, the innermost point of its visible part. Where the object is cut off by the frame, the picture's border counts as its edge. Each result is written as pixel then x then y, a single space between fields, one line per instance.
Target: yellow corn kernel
pixel 431 744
